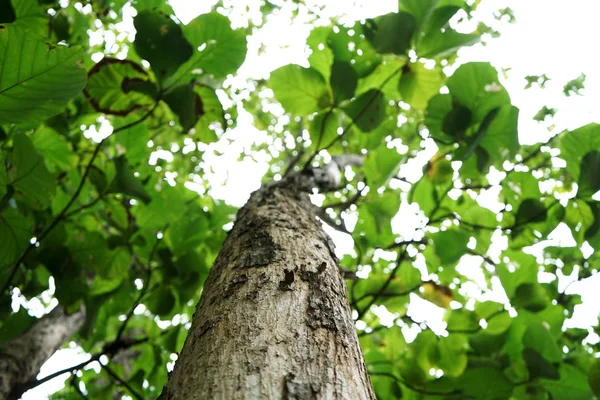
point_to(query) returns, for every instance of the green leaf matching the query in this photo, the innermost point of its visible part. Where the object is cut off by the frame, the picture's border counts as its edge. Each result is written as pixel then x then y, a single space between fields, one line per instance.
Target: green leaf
pixel 419 84
pixel 161 301
pixel 531 296
pixel 572 384
pixel 450 245
pixel 589 180
pixel 381 165
pixel 574 145
pixel 485 383
pixel 16 231
pixel 160 41
pixel 453 355
pixel 519 268
pixel 37 79
pixel 594 377
pixel 441 44
pixel 519 186
pixel 374 216
pixel 538 366
pixel 544 113
pixel 126 182
pixel 349 44
pixel 321 58
pixel 579 217
pixel 187 233
pixel 502 137
pixel 574 86
pixel 367 110
pixel 212 111
pixel 32 182
pixel 324 127
pixel 117 87
pixel 462 320
pixel 475 85
pixel 57 151
pixel 186 104
pixel 538 337
pixel 499 323
pixel 441 119
pixel 218 49
pixel 421 10
pixel 301 91
pixel 531 211
pixel 390 33
pixel 343 81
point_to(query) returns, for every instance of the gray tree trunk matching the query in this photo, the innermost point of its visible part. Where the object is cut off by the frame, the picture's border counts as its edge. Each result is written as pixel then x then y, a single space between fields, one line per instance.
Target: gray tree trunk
pixel 22 357
pixel 273 321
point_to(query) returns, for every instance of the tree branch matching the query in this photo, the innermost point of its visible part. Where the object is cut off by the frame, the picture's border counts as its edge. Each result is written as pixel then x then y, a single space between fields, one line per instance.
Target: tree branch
pixel 376 296
pixel 122 382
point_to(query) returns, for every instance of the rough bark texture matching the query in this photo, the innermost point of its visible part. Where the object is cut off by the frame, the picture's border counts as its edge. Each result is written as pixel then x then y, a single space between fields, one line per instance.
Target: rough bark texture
pixel 22 357
pixel 273 321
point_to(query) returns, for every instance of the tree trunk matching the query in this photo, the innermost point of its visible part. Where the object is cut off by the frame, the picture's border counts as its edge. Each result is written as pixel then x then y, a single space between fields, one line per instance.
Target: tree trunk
pixel 21 358
pixel 273 321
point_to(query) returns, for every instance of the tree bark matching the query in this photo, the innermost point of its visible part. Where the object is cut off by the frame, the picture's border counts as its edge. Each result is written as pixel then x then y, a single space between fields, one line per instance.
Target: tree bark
pixel 21 358
pixel 273 321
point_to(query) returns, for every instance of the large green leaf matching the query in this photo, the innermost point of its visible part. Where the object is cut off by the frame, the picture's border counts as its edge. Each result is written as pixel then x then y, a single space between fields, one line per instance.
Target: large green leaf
pixel 118 87
pixel 28 174
pixel 57 151
pixel 450 245
pixel 15 233
pixel 219 49
pixel 502 137
pixel 589 179
pixel 391 33
pixel 37 79
pixel 381 165
pixel 321 58
pixel 574 145
pixel 418 84
pixel 126 182
pixel 475 85
pixel 160 41
pixel 301 91
pixel 485 383
pixel 441 44
pixel 186 104
pixel 594 377
pixel 350 45
pixel 538 337
pixel 421 10
pixel 572 385
pixel 367 110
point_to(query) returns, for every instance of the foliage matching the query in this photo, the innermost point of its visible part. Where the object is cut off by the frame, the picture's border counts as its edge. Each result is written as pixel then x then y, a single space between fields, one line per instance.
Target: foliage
pixel 81 203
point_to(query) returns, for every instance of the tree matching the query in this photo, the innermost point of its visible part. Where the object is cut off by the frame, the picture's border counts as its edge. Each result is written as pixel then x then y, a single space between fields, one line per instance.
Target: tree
pixel 107 209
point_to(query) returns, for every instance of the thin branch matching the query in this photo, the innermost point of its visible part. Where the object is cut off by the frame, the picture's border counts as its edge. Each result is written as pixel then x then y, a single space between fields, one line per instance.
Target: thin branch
pixel 63 212
pixel 293 162
pixel 75 385
pixel 122 382
pixel 143 290
pixel 83 207
pixel 344 205
pixel 399 260
pixel 30 385
pixel 379 294
pixel 484 257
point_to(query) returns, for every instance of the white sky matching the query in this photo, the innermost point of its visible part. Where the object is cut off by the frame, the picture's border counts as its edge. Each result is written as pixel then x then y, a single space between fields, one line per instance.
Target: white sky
pixel 549 37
